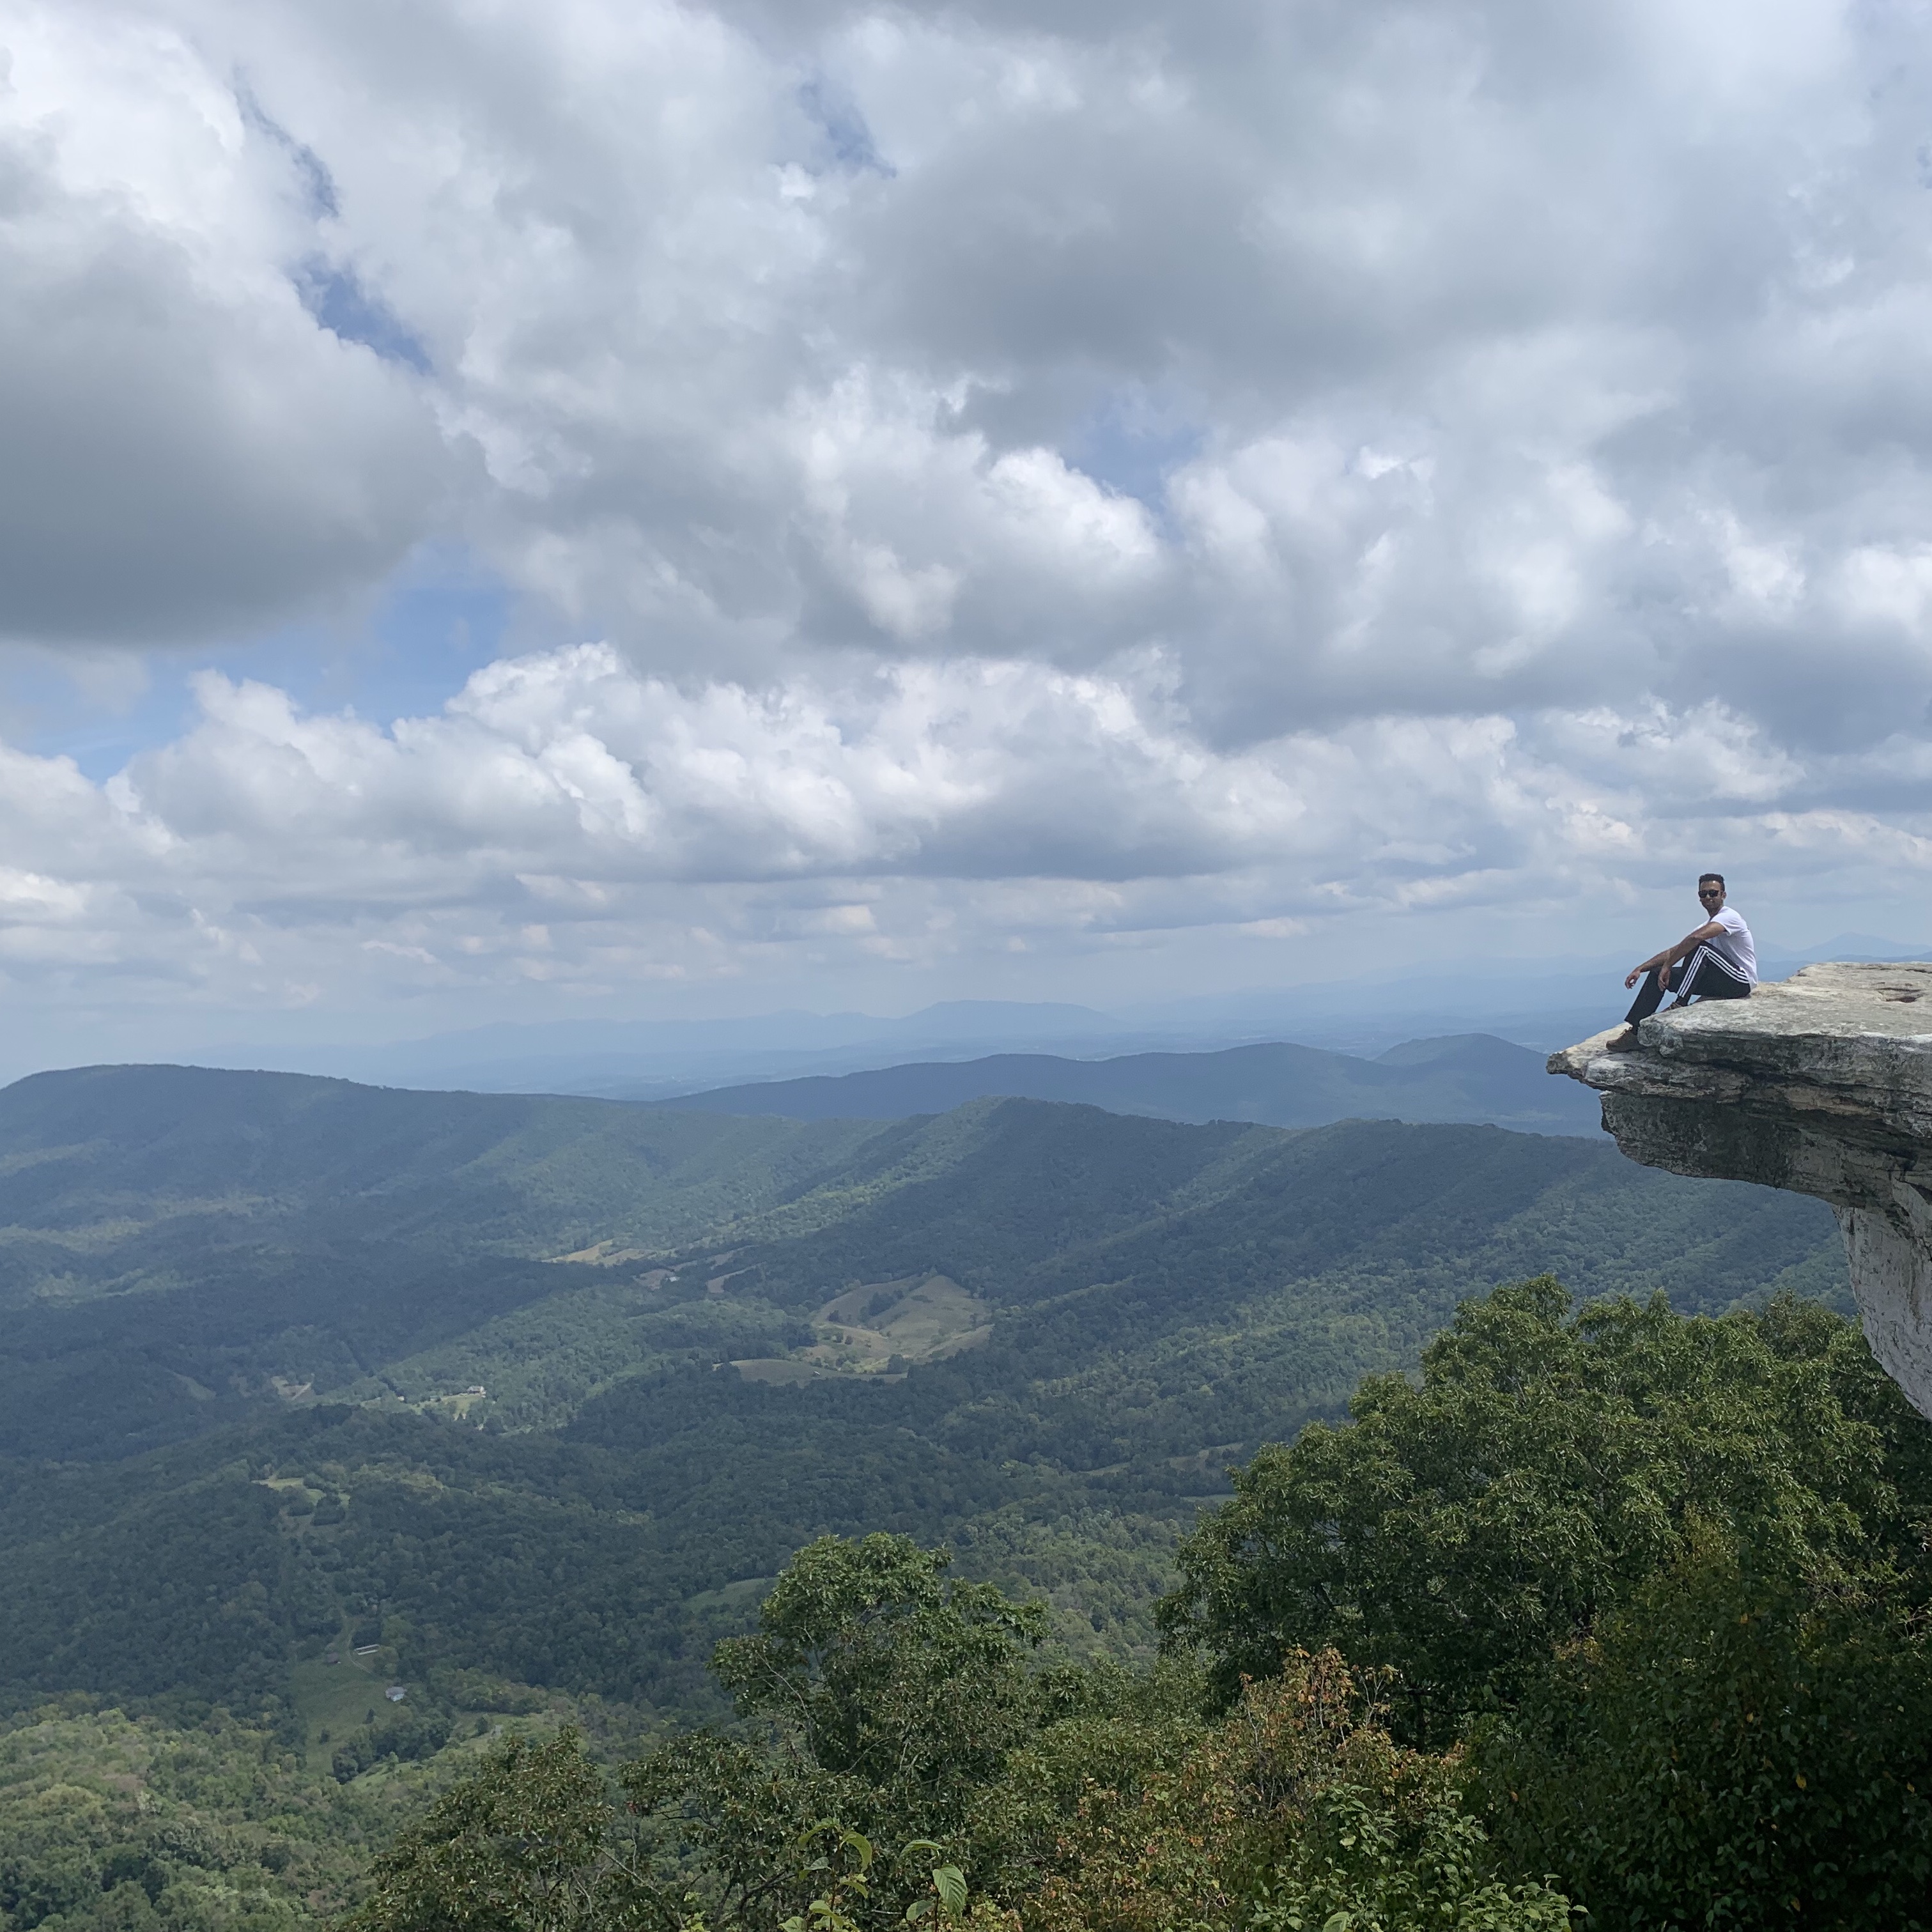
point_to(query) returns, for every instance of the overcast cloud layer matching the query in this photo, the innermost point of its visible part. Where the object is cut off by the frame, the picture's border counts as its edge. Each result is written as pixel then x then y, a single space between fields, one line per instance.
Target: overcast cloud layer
pixel 1251 485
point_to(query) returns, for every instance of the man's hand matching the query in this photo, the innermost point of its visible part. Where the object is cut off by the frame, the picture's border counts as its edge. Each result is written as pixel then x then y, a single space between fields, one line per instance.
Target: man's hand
pixel 1636 974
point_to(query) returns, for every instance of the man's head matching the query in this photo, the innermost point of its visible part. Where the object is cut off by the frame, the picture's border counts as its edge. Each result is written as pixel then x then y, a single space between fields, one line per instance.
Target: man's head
pixel 1710 891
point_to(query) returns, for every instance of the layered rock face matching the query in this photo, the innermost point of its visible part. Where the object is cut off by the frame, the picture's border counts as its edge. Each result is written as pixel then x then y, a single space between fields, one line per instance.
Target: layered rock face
pixel 1823 1084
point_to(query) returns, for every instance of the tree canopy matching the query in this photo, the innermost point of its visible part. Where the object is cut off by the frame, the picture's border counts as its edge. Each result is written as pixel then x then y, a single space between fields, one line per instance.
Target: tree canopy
pixel 1462 1528
pixel 1664 1579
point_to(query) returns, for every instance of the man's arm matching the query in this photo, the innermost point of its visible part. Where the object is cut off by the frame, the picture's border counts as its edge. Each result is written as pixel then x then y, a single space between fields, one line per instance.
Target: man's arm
pixel 1669 956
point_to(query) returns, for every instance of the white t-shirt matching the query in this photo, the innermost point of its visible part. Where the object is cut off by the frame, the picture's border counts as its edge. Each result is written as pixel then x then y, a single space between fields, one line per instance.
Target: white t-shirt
pixel 1734 943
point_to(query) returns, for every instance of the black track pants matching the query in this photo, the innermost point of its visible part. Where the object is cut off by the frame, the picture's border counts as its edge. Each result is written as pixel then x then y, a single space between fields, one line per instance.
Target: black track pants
pixel 1706 975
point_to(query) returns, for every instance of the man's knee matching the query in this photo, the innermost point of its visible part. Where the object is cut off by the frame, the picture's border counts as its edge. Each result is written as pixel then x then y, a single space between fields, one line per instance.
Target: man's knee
pixel 1707 977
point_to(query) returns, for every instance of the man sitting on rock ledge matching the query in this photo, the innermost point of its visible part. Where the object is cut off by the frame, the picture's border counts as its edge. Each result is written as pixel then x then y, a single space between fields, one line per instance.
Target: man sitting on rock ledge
pixel 1721 964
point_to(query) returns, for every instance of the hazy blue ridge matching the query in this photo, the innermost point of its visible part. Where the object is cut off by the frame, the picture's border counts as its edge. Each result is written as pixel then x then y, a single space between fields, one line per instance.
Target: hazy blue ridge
pixel 1472 1077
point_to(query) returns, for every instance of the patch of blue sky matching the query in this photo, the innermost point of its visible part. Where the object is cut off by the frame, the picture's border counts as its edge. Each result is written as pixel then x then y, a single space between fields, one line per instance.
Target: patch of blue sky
pixel 1133 443
pixel 95 711
pixel 335 295
pixel 438 620
pixel 837 117
pixel 338 300
pixel 317 183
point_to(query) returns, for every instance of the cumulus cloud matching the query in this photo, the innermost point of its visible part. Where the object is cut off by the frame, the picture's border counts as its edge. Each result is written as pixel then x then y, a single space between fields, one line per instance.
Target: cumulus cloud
pixel 566 819
pixel 1505 343
pixel 187 451
pixel 1054 467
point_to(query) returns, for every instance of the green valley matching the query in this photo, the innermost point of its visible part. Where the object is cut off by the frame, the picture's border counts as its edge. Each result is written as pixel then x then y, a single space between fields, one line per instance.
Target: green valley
pixel 555 1372
pixel 518 1405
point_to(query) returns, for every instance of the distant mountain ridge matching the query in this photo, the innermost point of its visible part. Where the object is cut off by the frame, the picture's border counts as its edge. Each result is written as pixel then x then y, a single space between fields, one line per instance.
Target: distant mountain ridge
pixel 1543 1005
pixel 646 1058
pixel 1470 1078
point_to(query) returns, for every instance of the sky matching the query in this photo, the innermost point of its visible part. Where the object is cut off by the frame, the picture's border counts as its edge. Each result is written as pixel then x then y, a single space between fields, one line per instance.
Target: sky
pixel 515 511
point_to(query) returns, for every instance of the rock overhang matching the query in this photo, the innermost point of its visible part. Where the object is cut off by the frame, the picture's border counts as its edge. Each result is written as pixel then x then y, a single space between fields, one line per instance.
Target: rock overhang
pixel 1821 1083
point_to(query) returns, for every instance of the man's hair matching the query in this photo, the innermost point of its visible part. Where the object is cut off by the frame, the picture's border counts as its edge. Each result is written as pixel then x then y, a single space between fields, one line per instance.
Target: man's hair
pixel 1704 878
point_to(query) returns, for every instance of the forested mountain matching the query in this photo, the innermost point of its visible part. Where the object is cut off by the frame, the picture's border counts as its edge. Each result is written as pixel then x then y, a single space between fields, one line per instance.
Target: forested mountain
pixel 1468 1077
pixel 179 1246
pixel 193 1156
pixel 540 1389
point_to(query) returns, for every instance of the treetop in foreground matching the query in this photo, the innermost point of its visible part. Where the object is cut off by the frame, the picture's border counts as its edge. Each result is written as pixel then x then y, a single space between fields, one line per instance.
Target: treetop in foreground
pixel 1665 1580
pixel 1462 1528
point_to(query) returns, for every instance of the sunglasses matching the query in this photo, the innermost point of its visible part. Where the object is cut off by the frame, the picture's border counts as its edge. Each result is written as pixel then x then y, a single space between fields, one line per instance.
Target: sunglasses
pixel 1710 893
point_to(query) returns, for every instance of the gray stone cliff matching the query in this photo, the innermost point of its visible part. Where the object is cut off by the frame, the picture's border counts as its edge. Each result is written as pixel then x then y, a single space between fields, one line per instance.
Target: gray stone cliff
pixel 1821 1083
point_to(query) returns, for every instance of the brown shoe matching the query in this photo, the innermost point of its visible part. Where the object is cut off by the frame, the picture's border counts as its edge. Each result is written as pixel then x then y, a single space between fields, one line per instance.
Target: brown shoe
pixel 1625 1041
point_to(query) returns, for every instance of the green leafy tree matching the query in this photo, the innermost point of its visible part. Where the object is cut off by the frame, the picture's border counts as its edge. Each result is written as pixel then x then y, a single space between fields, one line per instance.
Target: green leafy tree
pixel 1109 1729
pixel 1297 1813
pixel 844 1872
pixel 530 1843
pixel 889 1695
pixel 1463 1530
pixel 880 1667
pixel 844 1877
pixel 1735 1746
pixel 902 1762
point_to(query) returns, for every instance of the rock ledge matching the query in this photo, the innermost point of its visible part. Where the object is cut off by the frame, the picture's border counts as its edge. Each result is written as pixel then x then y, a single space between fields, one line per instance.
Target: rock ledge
pixel 1823 1084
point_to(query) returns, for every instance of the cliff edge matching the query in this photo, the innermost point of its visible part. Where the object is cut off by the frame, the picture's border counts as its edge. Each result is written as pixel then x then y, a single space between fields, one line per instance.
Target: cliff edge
pixel 1821 1083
